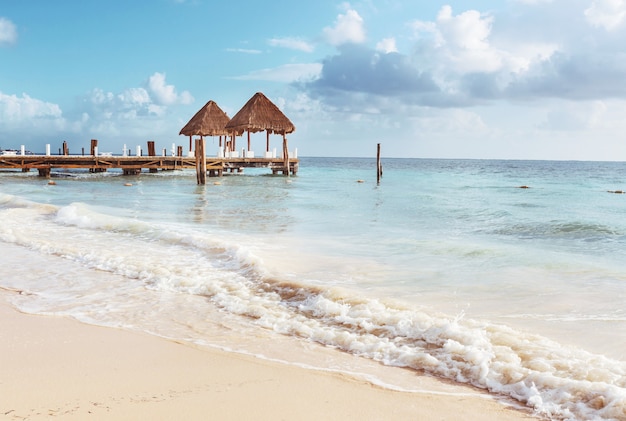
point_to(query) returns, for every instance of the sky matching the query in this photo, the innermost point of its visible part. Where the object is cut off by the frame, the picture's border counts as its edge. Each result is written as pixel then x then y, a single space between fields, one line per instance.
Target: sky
pixel 492 79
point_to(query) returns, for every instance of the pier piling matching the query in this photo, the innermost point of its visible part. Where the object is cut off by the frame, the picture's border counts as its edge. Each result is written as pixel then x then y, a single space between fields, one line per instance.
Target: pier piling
pixel 379 167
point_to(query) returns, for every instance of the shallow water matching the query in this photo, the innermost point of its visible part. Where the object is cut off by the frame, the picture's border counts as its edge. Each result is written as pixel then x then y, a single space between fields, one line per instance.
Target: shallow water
pixel 447 267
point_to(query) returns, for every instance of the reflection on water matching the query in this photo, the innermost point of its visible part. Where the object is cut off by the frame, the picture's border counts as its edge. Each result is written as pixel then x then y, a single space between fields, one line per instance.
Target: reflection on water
pixel 245 203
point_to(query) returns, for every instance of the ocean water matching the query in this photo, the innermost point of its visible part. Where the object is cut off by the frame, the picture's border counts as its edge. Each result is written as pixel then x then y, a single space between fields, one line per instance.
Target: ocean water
pixel 446 268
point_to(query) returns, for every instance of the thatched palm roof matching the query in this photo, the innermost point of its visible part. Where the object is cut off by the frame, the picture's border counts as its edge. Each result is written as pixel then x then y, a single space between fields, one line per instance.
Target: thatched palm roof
pixel 210 120
pixel 260 114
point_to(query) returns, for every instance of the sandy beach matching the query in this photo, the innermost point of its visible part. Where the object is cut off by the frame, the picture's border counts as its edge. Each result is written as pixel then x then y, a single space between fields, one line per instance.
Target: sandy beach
pixel 58 368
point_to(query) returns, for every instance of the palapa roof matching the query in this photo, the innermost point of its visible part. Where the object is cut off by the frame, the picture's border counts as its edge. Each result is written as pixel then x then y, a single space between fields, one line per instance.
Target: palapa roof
pixel 210 120
pixel 260 114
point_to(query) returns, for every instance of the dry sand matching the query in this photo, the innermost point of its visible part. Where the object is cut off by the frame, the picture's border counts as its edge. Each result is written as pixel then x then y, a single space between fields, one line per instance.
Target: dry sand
pixel 58 368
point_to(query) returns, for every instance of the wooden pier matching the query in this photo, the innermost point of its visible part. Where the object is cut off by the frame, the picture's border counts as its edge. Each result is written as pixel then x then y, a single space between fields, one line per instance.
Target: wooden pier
pixel 259 114
pixel 132 165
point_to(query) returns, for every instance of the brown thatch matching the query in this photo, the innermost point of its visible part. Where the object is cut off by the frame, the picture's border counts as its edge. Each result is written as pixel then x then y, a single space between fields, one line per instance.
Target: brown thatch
pixel 260 114
pixel 209 121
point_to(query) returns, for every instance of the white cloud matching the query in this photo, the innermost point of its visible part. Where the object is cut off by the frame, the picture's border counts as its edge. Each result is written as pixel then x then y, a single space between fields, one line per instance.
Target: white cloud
pixel 423 27
pixel 134 96
pixel 129 116
pixel 166 94
pixel 26 120
pixel 608 14
pixel 243 50
pixel 465 40
pixel 133 113
pixel 132 103
pixel 462 44
pixel 348 28
pixel 8 32
pixel 292 43
pixel 468 30
pixel 287 73
pixel 387 45
pixel 22 110
pixel 304 104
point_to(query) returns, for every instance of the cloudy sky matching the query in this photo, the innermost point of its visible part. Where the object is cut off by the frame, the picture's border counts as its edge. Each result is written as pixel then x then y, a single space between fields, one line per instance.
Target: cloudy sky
pixel 513 79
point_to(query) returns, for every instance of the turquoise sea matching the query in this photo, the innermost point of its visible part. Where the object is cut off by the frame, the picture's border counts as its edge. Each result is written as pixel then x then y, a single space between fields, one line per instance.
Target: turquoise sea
pixel 446 268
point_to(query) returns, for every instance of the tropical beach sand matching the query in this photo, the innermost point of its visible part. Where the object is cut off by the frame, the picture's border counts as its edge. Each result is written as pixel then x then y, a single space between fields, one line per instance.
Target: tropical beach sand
pixel 58 368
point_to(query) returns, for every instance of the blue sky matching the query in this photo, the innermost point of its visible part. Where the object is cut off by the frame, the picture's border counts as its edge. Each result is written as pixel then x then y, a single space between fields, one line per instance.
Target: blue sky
pixel 513 79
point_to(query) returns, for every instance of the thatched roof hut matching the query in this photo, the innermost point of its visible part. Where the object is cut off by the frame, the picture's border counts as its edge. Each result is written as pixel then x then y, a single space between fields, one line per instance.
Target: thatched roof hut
pixel 260 114
pixel 210 120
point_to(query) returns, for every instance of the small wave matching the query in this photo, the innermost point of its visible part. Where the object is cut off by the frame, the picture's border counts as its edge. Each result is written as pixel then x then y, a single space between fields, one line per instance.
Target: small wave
pixel 531 369
pixel 8 201
pixel 561 230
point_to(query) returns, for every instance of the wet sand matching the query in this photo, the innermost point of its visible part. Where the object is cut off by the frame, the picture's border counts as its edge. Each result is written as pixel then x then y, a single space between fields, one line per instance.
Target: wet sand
pixel 58 368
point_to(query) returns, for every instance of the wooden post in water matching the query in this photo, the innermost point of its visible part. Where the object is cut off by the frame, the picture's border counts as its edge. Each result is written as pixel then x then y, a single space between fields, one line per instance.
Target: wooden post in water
pixel 379 167
pixel 200 161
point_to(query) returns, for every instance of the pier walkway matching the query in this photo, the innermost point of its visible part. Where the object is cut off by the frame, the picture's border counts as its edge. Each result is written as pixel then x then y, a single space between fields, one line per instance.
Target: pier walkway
pixel 131 165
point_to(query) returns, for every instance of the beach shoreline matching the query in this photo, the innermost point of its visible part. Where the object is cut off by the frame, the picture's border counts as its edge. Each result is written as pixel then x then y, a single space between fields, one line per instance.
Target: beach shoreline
pixel 59 368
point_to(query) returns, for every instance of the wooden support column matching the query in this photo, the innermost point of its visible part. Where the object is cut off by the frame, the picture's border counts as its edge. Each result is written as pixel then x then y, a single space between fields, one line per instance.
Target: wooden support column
pixel 200 161
pixel 93 150
pixel 285 156
pixel 152 152
pixel 197 161
pixel 203 158
pixel 267 140
pixel 66 150
pixel 248 140
pixel 179 151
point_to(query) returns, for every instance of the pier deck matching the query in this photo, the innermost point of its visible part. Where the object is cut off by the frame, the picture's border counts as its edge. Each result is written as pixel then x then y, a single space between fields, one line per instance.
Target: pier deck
pixel 131 165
